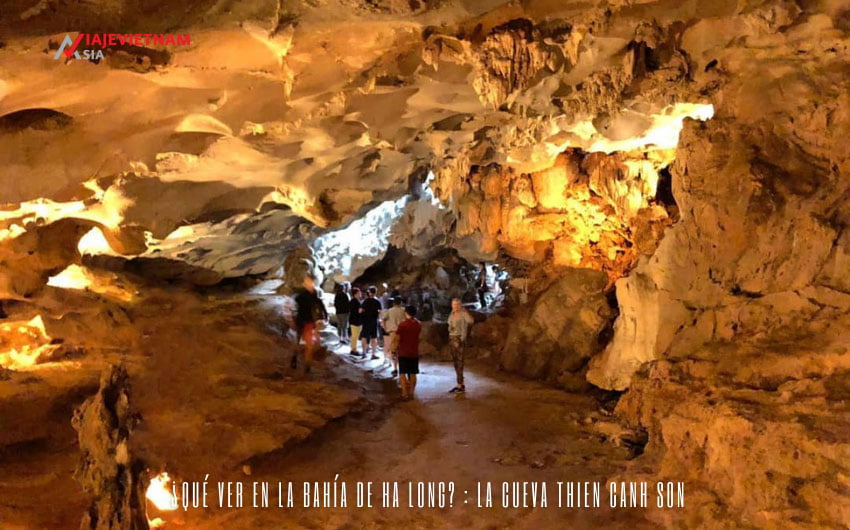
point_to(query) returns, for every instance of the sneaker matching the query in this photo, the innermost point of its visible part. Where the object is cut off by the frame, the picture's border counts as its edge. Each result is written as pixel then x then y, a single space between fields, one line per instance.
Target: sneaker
pixel 395 373
pixel 375 357
pixel 354 353
pixel 458 390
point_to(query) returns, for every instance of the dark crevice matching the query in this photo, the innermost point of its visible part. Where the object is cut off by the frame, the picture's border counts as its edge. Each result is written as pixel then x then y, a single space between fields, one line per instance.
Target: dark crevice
pixel 737 291
pixel 38 119
pixel 664 192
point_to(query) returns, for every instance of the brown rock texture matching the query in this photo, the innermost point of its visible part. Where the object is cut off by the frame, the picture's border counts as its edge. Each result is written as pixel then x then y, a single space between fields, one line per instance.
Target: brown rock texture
pixel 555 336
pixel 109 471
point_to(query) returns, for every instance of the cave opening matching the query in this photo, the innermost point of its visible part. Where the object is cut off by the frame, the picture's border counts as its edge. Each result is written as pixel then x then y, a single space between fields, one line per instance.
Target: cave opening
pixel 431 282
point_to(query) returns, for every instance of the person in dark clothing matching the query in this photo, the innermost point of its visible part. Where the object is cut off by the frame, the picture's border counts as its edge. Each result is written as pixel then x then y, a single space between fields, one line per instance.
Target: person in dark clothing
pixel 370 310
pixel 355 318
pixel 481 284
pixel 342 306
pixel 309 311
pixel 408 351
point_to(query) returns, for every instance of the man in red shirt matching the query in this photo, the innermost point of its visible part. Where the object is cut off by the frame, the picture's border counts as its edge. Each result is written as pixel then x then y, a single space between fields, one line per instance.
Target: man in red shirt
pixel 407 335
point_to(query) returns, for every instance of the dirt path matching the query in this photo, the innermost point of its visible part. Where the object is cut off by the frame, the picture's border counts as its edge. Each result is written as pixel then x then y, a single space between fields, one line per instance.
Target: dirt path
pixel 503 429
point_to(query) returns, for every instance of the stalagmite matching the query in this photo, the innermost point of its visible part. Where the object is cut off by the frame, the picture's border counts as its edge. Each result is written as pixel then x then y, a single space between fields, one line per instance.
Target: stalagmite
pixel 108 469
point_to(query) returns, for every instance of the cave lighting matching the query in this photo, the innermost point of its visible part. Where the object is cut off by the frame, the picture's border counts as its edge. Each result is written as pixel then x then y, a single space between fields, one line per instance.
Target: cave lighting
pixel 73 277
pixel 364 237
pixel 94 242
pixel 26 355
pixel 39 212
pixel 662 133
pixel 97 191
pixel 429 193
pixel 79 278
pixel 13 231
pixel 159 493
pixel 34 211
pixel 16 360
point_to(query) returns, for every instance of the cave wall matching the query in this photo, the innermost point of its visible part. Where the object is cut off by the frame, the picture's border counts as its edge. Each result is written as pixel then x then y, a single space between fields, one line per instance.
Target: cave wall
pixel 553 337
pixel 762 191
pixel 732 336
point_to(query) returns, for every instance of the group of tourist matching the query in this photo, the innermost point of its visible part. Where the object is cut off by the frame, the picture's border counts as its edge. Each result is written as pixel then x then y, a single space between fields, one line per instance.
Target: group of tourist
pixel 364 317
pixel 368 318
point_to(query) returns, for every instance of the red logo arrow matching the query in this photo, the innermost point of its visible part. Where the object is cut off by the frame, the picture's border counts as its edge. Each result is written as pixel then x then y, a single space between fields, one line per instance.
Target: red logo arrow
pixel 70 51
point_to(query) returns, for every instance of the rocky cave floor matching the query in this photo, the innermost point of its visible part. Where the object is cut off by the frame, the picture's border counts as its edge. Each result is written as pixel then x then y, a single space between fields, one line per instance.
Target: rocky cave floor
pixel 214 392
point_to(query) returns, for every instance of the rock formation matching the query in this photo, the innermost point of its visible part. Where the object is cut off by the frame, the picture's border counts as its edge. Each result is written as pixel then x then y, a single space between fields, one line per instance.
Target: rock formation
pixel 556 337
pixel 682 168
pixel 109 470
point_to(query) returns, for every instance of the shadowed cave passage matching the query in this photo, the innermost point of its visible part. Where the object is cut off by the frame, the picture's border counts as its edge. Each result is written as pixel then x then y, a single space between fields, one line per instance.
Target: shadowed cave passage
pixel 662 187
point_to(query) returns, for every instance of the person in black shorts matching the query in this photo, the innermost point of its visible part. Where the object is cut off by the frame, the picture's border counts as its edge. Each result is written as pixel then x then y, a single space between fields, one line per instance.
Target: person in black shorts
pixel 408 351
pixel 370 311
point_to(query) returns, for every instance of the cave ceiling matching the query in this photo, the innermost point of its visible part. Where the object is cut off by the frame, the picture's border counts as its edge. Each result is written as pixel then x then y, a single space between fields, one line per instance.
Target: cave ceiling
pixel 539 127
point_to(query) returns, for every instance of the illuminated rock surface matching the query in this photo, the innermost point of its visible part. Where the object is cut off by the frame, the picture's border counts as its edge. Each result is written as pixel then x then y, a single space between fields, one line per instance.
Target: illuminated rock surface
pixel 690 158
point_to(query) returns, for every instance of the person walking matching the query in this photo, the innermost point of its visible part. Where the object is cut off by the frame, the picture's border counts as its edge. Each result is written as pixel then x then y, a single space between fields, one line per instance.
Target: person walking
pixel 391 319
pixel 481 284
pixel 342 306
pixel 460 321
pixel 355 318
pixel 408 352
pixel 383 335
pixel 309 312
pixel 370 310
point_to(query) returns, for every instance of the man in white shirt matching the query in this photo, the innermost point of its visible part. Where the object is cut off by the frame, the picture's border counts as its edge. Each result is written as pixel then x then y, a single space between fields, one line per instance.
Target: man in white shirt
pixel 391 318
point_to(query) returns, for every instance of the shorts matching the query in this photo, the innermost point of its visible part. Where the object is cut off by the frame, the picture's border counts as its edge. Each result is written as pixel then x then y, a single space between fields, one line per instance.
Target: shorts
pixel 370 331
pixel 306 331
pixel 408 365
pixel 392 344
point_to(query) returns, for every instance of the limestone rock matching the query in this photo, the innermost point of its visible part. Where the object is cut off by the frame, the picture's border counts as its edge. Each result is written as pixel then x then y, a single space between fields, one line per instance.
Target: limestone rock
pixel 760 414
pixel 109 470
pixel 297 264
pixel 559 331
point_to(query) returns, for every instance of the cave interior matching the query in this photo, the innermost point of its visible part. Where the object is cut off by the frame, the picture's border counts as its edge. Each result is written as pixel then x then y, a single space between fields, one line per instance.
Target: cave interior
pixel 659 193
